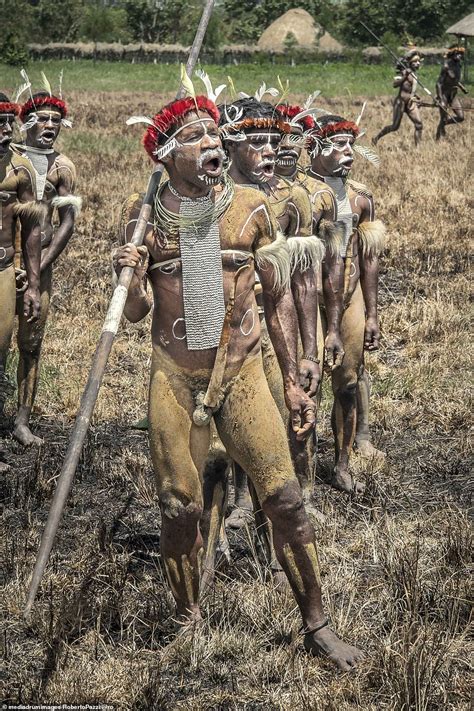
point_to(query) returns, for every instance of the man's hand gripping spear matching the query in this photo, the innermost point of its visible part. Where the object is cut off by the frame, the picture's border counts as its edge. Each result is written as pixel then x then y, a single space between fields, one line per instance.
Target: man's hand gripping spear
pixel 101 355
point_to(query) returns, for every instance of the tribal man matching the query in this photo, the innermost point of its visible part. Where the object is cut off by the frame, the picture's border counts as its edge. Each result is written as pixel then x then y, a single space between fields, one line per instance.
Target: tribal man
pixel 449 81
pixel 252 132
pixel 355 274
pixel 406 102
pixel 42 116
pixel 17 201
pixel 207 240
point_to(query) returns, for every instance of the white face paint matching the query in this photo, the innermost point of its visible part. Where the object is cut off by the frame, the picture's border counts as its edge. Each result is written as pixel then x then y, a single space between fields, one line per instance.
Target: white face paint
pixel 339 147
pixel 265 145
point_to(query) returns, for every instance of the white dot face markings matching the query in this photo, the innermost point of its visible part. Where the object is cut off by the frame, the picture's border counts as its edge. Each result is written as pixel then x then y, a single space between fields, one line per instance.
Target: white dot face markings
pixel 179 326
pixel 247 322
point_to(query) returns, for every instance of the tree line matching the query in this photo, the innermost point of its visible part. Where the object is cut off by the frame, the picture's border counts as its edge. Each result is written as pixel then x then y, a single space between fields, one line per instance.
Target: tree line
pixel 233 21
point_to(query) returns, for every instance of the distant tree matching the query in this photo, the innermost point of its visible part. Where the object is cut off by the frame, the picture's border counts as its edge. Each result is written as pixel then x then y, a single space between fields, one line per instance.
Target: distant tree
pixel 101 23
pixel 14 35
pixel 58 22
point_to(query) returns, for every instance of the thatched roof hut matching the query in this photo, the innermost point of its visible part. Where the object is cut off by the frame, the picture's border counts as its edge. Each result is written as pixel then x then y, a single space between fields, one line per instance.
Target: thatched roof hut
pixel 463 28
pixel 300 25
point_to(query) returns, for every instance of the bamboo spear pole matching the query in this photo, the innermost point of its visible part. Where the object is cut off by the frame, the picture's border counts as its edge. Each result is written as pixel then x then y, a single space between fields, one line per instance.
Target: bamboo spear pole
pixel 102 352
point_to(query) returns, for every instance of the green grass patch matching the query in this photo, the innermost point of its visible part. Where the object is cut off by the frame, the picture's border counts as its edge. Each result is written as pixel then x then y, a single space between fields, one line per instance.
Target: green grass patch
pixel 333 79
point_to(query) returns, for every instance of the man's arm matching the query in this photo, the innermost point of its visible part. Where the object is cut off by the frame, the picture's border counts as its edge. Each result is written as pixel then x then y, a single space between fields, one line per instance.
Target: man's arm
pixel 372 241
pixel 68 206
pixel 273 266
pixel 306 253
pixel 30 213
pixel 138 302
pixel 331 233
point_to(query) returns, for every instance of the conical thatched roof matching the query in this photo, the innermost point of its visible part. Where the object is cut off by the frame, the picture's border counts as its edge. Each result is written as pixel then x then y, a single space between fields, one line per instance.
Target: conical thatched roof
pixel 302 26
pixel 463 27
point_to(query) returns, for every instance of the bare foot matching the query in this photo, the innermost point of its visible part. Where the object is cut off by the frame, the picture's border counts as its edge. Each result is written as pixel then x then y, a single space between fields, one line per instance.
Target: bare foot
pixel 326 643
pixel 343 480
pixel 240 516
pixel 366 449
pixel 25 436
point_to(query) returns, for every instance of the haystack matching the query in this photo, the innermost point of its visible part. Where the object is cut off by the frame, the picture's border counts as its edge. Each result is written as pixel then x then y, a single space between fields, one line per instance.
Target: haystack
pixel 301 25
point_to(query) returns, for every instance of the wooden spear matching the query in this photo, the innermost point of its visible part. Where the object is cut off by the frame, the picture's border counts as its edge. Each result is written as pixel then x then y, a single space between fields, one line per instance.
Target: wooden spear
pixel 102 352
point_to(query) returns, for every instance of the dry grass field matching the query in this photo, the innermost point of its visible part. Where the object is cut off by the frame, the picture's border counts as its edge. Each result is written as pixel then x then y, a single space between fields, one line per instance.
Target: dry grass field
pixel 395 562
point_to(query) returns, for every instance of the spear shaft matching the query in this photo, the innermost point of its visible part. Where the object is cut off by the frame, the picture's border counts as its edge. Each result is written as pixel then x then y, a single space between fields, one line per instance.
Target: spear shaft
pixel 102 352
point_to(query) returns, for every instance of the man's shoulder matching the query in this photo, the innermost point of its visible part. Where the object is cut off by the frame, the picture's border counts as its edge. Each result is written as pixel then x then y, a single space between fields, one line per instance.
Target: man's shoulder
pixel 313 184
pixel 62 162
pixel 359 189
pixel 130 205
pixel 18 159
pixel 246 197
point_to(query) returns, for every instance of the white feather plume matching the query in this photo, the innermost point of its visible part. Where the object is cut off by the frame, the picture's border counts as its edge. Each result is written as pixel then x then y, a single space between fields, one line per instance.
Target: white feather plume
pixel 307 112
pixel 311 98
pixel 139 119
pixel 260 93
pixel 243 95
pixel 187 83
pixel 359 118
pixel 211 93
pixel 60 90
pixel 46 84
pixel 21 90
pixel 24 76
pixel 367 153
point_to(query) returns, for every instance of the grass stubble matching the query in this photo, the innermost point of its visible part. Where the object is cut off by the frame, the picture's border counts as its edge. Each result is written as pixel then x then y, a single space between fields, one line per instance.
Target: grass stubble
pixel 395 563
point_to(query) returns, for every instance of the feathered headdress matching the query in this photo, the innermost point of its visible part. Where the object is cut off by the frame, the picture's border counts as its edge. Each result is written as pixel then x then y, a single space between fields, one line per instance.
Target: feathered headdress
pixel 233 124
pixel 157 140
pixel 42 100
pixel 293 114
pixel 8 107
pixel 328 128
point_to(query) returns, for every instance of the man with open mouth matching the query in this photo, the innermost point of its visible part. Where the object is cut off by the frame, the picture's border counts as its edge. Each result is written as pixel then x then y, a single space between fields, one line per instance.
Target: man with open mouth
pixel 207 241
pixel 17 202
pixel 55 176
pixel 256 135
pixel 355 276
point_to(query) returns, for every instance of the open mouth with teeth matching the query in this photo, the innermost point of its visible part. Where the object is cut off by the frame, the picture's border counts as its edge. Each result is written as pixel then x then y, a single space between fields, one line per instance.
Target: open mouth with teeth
pixel 212 168
pixel 267 169
pixel 287 159
pixel 47 136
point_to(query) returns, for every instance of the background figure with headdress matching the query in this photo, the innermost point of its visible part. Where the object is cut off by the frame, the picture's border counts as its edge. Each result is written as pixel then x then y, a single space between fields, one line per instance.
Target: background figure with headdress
pixel 17 202
pixel 449 81
pixel 406 102
pixel 355 273
pixel 55 176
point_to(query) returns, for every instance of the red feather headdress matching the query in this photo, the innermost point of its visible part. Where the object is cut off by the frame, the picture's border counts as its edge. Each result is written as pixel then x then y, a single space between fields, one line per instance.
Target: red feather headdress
pixel 331 129
pixel 170 115
pixel 290 111
pixel 8 107
pixel 41 102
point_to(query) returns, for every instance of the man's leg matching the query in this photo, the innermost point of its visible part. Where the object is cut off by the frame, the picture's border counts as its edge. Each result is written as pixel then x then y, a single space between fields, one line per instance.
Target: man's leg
pixel 398 109
pixel 30 340
pixel 178 450
pixel 456 109
pixel 344 386
pixel 414 115
pixel 363 440
pixel 441 131
pixel 254 435
pixel 7 320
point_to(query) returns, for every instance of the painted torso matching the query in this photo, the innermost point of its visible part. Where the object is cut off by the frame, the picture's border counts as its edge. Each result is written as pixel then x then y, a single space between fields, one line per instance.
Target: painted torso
pixel 17 185
pixel 60 179
pixel 450 78
pixel 246 226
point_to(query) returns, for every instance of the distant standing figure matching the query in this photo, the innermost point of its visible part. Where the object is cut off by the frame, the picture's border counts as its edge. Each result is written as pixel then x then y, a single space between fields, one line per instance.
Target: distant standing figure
pixel 406 102
pixel 447 88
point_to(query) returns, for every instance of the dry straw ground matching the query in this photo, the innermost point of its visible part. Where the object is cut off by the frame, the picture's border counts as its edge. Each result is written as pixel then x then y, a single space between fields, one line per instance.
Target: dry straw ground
pixel 395 562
